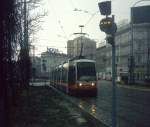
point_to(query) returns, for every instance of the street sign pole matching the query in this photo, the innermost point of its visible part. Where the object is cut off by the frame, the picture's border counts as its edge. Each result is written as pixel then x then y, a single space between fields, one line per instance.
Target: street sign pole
pixel 111 40
pixel 114 119
pixel 109 26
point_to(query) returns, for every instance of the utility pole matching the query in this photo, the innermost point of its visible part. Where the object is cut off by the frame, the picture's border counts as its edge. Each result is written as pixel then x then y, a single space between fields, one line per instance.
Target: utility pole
pixel 109 26
pixel 25 53
pixel 33 53
pixel 25 23
pixel 33 64
pixel 131 60
pixel 81 33
pixel 114 119
pixel 81 26
pixel 148 58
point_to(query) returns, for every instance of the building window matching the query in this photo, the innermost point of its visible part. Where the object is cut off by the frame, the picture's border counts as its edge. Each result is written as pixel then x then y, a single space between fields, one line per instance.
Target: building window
pixel 139 59
pixel 44 61
pixel 44 67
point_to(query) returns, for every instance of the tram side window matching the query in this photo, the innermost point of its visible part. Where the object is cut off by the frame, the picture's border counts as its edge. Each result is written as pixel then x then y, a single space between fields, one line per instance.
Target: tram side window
pixel 71 74
pixel 64 75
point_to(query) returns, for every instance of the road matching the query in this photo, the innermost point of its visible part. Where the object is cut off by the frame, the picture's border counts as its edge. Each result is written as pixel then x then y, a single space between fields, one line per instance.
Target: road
pixel 133 105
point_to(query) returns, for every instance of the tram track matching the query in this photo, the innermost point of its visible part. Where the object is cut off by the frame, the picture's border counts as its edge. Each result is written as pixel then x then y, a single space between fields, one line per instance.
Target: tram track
pixel 85 112
pixel 129 111
pixel 103 114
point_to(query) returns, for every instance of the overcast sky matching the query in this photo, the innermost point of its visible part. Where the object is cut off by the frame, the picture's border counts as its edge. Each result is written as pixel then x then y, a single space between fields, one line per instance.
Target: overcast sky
pixel 62 21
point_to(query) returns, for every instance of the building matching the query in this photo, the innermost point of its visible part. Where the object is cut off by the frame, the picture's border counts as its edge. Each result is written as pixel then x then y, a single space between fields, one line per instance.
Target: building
pixel 50 59
pixel 141 52
pixel 101 61
pixel 36 66
pixel 82 46
pixel 132 48
pixel 70 48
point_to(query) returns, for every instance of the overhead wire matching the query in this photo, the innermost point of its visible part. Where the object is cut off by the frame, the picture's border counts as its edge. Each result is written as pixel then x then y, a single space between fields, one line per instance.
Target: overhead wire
pixel 90 18
pixel 58 19
pixel 57 46
pixel 87 12
pixel 60 24
pixel 62 28
pixel 72 4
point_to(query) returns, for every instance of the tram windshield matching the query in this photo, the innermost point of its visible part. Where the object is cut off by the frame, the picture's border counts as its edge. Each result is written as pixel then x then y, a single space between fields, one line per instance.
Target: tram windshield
pixel 86 71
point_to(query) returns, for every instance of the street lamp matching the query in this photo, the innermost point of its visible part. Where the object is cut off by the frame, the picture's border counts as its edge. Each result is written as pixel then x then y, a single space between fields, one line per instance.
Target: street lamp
pixel 132 61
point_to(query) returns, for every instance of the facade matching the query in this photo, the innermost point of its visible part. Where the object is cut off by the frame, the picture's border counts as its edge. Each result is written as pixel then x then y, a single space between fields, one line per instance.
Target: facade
pixel 50 59
pixel 36 66
pixel 123 49
pixel 140 50
pixel 101 61
pixel 88 50
pixel 132 42
pixel 70 48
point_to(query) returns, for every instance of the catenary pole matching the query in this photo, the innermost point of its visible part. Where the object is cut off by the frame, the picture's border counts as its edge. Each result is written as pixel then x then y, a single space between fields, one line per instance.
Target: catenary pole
pixel 114 118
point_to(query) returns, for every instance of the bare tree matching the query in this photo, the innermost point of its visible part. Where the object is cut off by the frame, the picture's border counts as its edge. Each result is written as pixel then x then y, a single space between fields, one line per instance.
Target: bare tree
pixel 14 51
pixel 7 47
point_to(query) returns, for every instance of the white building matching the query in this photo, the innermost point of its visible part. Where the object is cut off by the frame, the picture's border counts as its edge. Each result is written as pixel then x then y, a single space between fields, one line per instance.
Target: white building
pixel 36 66
pixel 141 51
pixel 50 59
pixel 82 46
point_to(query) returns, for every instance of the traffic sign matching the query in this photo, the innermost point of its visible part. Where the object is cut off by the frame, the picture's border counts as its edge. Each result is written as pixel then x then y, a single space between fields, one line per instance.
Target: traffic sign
pixel 105 7
pixel 108 26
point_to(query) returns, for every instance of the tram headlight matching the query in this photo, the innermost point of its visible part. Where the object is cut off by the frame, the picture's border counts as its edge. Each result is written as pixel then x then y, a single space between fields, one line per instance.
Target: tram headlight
pixel 93 84
pixel 80 84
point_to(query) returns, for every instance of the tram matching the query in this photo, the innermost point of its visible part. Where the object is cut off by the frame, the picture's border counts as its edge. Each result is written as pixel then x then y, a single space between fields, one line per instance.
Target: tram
pixel 77 76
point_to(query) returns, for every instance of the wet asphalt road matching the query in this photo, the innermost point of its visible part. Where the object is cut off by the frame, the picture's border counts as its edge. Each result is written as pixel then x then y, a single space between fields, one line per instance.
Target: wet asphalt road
pixel 133 105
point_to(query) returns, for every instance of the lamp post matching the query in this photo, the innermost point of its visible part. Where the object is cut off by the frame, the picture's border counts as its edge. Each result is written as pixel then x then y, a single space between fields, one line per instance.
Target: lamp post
pixel 132 60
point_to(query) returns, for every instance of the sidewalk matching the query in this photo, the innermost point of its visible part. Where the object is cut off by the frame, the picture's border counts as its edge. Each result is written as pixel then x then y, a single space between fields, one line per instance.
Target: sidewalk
pixel 143 83
pixel 48 109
